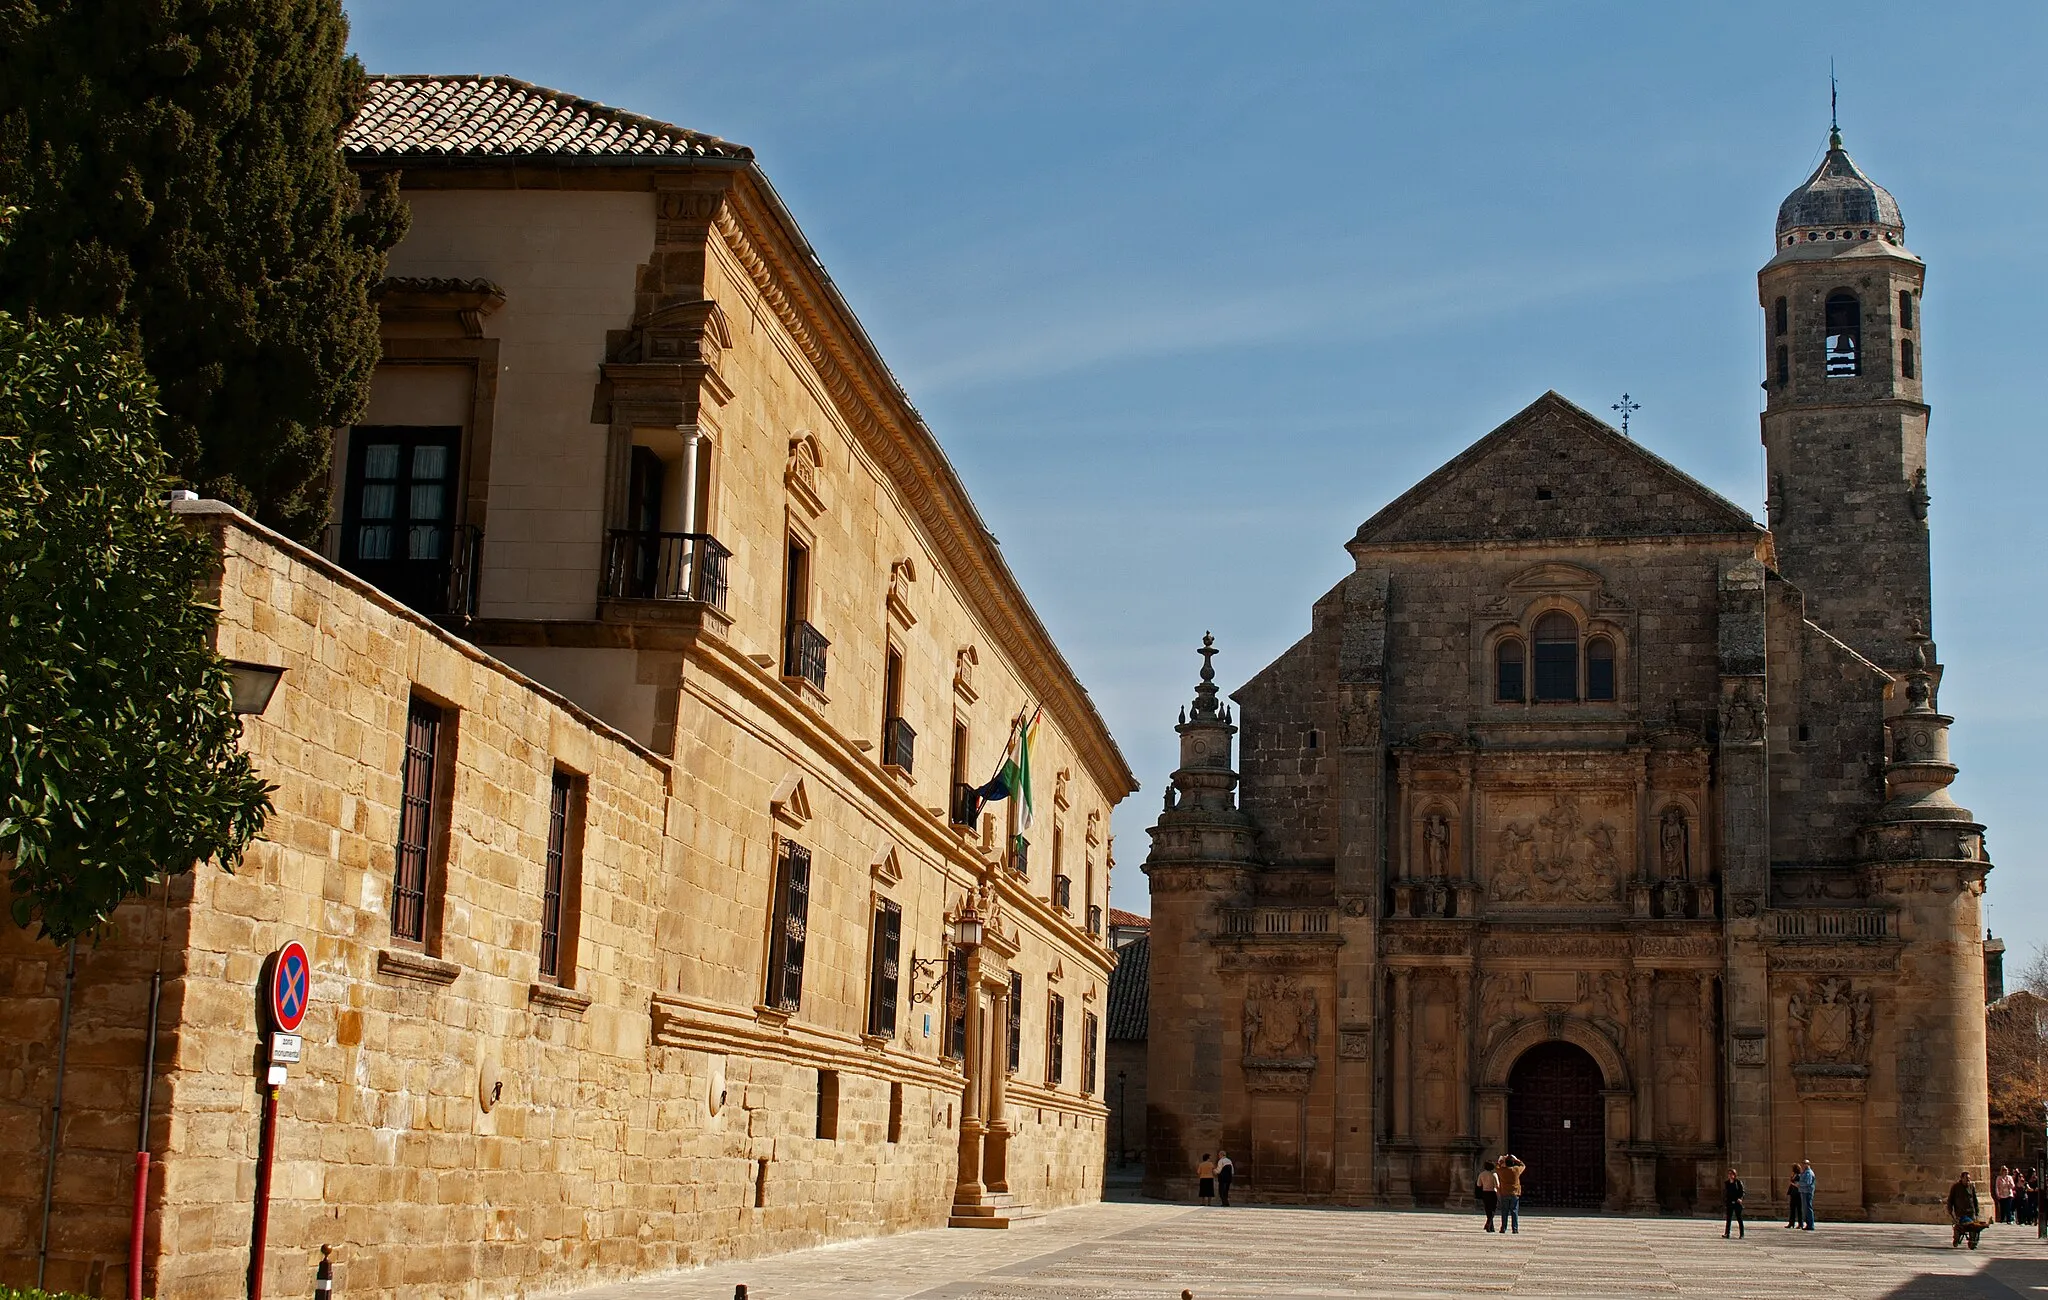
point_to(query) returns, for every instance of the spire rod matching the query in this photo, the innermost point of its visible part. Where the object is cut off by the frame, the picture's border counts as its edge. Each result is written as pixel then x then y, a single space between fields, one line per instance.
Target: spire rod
pixel 1834 108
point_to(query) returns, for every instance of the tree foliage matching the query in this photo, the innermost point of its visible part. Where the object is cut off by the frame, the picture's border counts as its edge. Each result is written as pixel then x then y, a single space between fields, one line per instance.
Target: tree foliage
pixel 178 167
pixel 119 761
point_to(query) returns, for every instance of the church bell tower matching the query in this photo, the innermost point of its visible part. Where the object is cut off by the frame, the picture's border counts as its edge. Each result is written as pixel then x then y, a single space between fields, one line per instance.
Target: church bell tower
pixel 1844 426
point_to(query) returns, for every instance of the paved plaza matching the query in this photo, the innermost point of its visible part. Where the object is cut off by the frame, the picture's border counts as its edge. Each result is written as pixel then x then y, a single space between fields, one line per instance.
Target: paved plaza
pixel 1137 1251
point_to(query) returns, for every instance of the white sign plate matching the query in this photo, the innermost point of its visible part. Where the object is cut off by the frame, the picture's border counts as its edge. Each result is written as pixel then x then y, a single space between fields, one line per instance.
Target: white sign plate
pixel 284 1049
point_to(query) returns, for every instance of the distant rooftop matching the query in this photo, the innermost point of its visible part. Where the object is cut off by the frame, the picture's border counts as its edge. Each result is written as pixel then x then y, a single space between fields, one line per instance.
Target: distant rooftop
pixel 422 117
pixel 1130 991
pixel 1118 916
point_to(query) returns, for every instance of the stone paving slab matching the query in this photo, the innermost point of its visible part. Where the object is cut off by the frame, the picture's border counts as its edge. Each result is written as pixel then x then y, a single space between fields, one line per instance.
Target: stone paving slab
pixel 1143 1251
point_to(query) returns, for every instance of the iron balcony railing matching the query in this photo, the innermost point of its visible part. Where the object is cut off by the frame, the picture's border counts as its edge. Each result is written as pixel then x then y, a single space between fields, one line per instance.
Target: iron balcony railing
pixel 899 744
pixel 1095 919
pixel 432 568
pixel 804 655
pixel 665 566
pixel 1020 855
pixel 961 811
pixel 1063 893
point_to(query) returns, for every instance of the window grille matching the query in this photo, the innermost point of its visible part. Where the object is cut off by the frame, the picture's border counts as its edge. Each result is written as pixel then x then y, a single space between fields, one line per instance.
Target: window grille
pixel 792 910
pixel 415 823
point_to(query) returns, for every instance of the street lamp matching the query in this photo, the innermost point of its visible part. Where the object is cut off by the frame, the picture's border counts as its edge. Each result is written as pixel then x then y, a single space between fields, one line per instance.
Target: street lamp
pixel 250 686
pixel 967 926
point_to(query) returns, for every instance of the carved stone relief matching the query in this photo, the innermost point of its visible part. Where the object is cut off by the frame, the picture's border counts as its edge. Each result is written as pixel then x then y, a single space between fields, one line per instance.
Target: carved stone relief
pixel 1831 1023
pixel 1561 855
pixel 1742 715
pixel 1280 1022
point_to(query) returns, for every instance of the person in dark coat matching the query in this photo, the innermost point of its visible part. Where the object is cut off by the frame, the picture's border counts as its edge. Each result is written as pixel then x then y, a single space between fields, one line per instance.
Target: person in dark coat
pixel 1965 1209
pixel 1731 1202
pixel 1795 1217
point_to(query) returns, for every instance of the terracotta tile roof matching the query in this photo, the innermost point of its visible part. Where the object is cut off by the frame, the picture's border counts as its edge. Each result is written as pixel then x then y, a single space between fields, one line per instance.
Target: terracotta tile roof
pixel 1118 916
pixel 420 117
pixel 1130 990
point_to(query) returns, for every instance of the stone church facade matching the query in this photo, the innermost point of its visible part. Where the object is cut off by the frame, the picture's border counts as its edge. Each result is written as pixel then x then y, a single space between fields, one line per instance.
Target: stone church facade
pixel 1594 820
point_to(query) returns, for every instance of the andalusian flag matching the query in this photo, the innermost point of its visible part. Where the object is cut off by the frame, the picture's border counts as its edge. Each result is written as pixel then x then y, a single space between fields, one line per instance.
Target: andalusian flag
pixel 1013 774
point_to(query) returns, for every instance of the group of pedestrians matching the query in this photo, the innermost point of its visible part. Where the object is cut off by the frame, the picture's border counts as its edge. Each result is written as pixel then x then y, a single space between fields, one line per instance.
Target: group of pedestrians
pixel 1799 1196
pixel 1213 1176
pixel 2016 1194
pixel 1500 1190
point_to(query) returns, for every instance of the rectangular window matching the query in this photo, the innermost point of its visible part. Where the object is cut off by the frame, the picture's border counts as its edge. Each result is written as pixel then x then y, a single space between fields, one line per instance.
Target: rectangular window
pixel 398 512
pixel 883 969
pixel 1016 1026
pixel 1906 358
pixel 1055 1038
pixel 792 909
pixel 1059 861
pixel 956 1004
pixel 828 1105
pixel 561 888
pixel 1905 309
pixel 895 1112
pixel 961 804
pixel 1088 1036
pixel 418 794
pixel 803 646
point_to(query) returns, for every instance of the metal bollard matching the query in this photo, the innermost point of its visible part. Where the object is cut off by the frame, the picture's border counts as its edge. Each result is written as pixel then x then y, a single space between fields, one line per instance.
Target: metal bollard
pixel 740 1292
pixel 323 1277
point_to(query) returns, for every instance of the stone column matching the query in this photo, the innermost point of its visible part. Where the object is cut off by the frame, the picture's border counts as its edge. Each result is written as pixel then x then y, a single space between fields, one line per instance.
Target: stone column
pixel 970 1187
pixel 1643 1153
pixel 1403 1023
pixel 995 1163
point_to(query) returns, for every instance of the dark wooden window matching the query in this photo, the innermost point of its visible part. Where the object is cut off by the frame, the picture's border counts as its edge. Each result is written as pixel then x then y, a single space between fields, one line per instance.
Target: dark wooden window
pixel 1905 309
pixel 1906 358
pixel 892 692
pixel 1088 1037
pixel 883 973
pixel 961 804
pixel 561 886
pixel 1557 657
pixel 1055 1038
pixel 1844 339
pixel 1599 669
pixel 792 911
pixel 418 787
pixel 828 1105
pixel 895 1112
pixel 1780 316
pixel 398 512
pixel 956 1004
pixel 1508 672
pixel 1016 1026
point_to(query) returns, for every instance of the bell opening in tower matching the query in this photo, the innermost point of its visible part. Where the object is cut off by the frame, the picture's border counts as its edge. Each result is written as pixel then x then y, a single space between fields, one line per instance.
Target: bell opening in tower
pixel 1844 335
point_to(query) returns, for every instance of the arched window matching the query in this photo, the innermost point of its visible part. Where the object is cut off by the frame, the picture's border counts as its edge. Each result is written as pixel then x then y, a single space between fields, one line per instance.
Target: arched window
pixel 1844 334
pixel 1557 657
pixel 1905 309
pixel 1784 365
pixel 1507 672
pixel 1906 358
pixel 1599 669
pixel 1780 317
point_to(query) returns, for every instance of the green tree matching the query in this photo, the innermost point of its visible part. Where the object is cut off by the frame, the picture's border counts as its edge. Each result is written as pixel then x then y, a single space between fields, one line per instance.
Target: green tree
pixel 119 762
pixel 178 168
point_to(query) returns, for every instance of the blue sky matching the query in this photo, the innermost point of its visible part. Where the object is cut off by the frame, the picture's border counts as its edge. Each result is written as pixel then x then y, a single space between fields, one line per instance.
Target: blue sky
pixel 1189 290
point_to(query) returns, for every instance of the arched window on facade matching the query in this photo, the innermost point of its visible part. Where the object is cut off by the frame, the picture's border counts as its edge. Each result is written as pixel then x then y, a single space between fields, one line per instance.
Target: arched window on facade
pixel 1844 334
pixel 1784 365
pixel 1557 657
pixel 1905 358
pixel 1780 315
pixel 1905 309
pixel 1508 672
pixel 1599 669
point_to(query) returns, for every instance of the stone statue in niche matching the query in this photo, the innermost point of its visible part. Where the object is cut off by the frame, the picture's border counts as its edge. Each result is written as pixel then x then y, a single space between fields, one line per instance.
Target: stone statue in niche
pixel 1557 860
pixel 1674 843
pixel 1742 715
pixel 1280 1021
pixel 1831 1023
pixel 1436 844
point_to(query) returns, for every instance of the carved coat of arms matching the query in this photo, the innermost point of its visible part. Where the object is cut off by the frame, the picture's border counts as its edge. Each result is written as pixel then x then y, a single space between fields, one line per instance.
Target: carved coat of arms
pixel 1280 1021
pixel 1831 1023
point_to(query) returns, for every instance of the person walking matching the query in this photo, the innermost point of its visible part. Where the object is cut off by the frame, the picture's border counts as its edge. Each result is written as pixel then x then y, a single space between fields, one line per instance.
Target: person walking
pixel 1794 1216
pixel 2002 1195
pixel 1731 1202
pixel 1489 1192
pixel 1224 1169
pixel 1807 1185
pixel 1963 1209
pixel 1205 1179
pixel 1511 1169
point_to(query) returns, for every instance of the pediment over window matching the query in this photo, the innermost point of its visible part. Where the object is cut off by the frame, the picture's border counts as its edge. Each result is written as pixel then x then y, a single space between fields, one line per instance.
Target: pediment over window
pixel 791 801
pixel 806 483
pixel 1556 576
pixel 885 868
pixel 902 575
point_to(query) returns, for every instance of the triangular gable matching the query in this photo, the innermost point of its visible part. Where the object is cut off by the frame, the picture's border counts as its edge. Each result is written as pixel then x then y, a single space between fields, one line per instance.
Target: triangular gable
pixel 1554 470
pixel 790 802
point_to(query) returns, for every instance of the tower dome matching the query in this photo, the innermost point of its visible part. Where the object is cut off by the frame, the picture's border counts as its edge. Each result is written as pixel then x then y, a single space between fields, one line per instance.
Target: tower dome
pixel 1839 202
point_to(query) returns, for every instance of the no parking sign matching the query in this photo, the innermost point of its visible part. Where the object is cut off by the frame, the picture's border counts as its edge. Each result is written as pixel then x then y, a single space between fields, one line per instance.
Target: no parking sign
pixel 288 988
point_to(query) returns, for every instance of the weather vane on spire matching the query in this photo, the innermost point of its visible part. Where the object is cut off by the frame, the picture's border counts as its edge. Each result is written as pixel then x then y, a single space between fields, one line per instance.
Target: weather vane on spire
pixel 1627 407
pixel 1834 109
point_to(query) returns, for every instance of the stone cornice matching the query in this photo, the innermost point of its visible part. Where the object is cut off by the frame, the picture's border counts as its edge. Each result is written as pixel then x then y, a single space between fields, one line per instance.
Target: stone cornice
pixel 760 234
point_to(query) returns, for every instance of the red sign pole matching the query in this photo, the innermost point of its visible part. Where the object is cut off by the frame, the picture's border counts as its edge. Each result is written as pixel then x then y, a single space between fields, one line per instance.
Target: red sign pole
pixel 263 1162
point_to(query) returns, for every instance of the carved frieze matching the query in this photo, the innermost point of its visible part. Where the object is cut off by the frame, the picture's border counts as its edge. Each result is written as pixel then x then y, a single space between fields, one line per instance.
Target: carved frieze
pixel 1613 947
pixel 1684 947
pixel 1401 944
pixel 1872 958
